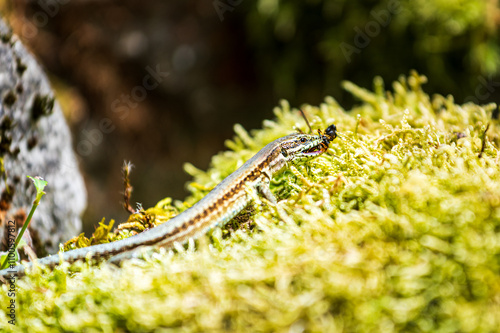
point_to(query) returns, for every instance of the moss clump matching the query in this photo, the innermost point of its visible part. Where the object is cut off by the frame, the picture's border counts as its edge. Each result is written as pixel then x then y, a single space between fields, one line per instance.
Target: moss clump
pixel 42 106
pixel 9 99
pixel 396 228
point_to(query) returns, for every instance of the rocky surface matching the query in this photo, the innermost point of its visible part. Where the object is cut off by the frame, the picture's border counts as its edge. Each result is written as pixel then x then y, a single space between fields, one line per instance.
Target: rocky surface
pixel 35 140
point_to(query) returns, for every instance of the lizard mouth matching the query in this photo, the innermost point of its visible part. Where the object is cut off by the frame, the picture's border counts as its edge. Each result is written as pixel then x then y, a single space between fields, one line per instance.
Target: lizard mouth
pixel 316 150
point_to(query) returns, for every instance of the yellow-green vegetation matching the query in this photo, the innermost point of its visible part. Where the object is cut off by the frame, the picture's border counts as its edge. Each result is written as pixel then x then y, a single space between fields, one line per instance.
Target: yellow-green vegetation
pixel 395 228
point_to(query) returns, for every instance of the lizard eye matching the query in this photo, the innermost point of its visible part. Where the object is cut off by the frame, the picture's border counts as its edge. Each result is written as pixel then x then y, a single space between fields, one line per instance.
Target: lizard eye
pixel 303 140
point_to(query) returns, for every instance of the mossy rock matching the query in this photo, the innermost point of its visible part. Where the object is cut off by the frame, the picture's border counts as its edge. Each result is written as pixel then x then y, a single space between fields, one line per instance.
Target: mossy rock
pixel 395 228
pixel 35 140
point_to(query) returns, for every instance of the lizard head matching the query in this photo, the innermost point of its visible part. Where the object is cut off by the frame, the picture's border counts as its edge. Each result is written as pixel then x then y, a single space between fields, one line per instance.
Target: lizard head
pixel 301 146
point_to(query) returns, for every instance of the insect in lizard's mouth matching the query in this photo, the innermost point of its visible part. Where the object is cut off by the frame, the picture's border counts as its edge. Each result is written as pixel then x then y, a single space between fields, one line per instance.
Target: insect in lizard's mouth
pixel 316 150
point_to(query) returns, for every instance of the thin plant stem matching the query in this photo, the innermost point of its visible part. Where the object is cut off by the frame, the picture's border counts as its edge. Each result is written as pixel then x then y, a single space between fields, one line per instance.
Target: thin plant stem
pixel 39 185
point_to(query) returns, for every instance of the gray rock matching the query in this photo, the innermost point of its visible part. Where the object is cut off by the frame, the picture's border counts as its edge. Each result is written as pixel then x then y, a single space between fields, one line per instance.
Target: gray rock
pixel 35 140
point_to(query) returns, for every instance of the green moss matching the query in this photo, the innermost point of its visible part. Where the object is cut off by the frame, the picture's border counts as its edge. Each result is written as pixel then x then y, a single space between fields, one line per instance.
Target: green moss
pixel 5 135
pixel 396 228
pixel 6 38
pixel 42 106
pixel 20 67
pixel 10 98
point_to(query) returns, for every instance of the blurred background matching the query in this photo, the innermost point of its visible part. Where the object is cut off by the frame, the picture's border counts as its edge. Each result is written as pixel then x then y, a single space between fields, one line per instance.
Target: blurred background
pixel 161 83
